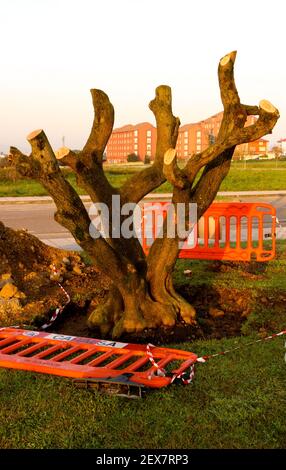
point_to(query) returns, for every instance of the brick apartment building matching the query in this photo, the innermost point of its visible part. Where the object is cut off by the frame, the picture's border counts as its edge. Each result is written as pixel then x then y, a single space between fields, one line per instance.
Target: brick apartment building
pixel 192 138
pixel 139 139
pixel 258 147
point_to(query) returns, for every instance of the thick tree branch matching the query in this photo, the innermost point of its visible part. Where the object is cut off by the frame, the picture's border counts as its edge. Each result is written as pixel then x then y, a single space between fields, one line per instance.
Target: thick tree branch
pixel 130 249
pixel 142 183
pixel 232 131
pixel 23 164
pixel 71 213
pixel 101 128
pixel 86 178
pixel 228 91
pixel 172 172
pixel 251 110
pixel 168 125
pixel 209 183
pixel 88 164
pixel 268 116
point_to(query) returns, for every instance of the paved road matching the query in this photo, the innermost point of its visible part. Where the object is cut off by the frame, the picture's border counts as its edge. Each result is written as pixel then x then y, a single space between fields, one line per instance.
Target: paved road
pixel 38 218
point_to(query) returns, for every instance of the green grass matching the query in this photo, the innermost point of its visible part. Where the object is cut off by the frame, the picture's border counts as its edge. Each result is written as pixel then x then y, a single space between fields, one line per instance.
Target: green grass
pixel 262 177
pixel 274 273
pixel 280 164
pixel 254 180
pixel 235 401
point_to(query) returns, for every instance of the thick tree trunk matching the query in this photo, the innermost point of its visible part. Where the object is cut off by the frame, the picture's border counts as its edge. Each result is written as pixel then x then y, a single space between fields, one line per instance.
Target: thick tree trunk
pixel 139 304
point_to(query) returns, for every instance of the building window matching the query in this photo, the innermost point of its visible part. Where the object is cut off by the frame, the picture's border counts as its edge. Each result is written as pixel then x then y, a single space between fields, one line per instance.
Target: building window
pixel 185 154
pixel 148 140
pixel 198 148
pixel 185 147
pixel 186 133
pixel 199 133
pixel 136 133
pixel 149 133
pixel 135 140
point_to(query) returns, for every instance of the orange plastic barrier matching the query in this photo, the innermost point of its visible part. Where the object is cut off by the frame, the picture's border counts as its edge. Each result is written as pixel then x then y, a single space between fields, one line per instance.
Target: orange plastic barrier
pixel 88 358
pixel 227 231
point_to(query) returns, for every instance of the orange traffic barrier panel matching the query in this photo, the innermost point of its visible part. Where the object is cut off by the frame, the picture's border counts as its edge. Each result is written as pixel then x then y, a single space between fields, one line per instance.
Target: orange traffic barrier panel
pixel 227 231
pixel 92 359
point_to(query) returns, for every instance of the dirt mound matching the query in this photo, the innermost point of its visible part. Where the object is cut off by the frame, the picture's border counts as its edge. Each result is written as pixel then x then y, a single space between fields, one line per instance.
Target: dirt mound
pixel 29 291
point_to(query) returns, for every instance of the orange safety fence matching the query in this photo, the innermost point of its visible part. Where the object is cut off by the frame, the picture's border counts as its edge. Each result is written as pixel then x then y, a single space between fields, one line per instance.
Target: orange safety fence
pixel 89 358
pixel 233 231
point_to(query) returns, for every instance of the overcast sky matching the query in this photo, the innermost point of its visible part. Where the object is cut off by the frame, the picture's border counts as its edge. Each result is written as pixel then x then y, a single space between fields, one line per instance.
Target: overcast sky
pixel 54 51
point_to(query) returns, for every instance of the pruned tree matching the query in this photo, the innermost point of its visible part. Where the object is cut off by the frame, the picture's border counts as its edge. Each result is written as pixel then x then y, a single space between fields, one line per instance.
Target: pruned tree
pixel 142 294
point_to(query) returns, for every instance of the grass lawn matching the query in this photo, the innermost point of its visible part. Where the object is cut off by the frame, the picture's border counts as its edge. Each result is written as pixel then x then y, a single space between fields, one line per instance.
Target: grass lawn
pixel 262 177
pixel 235 401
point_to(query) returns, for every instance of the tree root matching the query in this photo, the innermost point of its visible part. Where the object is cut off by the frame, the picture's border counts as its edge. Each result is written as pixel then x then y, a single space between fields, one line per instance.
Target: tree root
pixel 139 311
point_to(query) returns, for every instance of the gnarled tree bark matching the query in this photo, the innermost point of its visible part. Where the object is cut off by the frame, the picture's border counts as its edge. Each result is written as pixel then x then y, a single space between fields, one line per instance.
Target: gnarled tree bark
pixel 142 293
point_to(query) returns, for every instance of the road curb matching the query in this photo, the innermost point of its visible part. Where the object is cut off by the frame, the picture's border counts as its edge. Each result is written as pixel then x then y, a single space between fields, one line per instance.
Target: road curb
pixel 49 200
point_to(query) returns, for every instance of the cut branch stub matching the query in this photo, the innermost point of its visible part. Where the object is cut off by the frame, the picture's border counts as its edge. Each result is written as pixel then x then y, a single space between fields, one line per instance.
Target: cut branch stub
pixel 229 94
pixel 172 172
pixel 101 128
pixel 167 124
pixel 268 107
pixel 66 156
pixel 162 100
pixel 268 116
pixel 43 152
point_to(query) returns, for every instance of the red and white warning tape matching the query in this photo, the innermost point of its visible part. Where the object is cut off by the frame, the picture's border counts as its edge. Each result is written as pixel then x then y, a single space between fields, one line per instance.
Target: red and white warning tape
pixel 60 309
pixel 159 370
pixel 222 353
pixel 187 377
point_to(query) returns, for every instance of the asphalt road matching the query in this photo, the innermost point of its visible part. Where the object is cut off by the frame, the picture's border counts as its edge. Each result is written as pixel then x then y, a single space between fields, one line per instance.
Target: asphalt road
pixel 38 219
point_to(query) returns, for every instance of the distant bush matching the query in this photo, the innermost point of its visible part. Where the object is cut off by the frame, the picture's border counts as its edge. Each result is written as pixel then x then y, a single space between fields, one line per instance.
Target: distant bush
pixel 132 157
pixel 4 162
pixel 9 173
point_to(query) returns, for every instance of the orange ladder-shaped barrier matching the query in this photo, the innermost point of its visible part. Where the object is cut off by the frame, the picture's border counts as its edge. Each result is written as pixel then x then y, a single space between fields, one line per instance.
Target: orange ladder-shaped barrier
pixel 227 231
pixel 89 358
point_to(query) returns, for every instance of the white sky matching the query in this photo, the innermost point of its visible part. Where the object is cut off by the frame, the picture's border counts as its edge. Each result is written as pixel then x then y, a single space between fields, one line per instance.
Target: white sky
pixel 54 51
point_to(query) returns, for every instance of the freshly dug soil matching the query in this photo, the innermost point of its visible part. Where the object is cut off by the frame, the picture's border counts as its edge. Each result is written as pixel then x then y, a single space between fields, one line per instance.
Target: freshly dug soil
pixel 29 262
